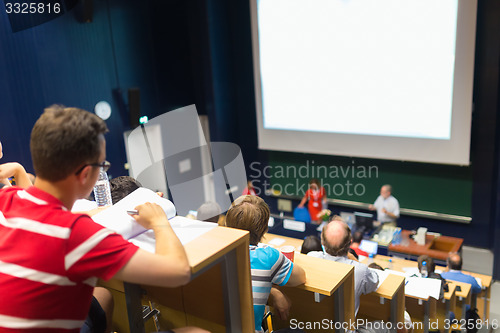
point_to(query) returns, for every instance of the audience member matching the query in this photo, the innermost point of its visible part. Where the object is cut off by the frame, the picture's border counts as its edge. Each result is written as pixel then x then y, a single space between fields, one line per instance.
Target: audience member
pixel 122 186
pixel 315 196
pixel 13 170
pixel 269 266
pixel 357 237
pixel 311 243
pixel 431 266
pixel 58 254
pixel 336 239
pixel 455 273
pixel 209 212
pixel 352 255
pixel 249 190
pixel 374 265
pixel 387 206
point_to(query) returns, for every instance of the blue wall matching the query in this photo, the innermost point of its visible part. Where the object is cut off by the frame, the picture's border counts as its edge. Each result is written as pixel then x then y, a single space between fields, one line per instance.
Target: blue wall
pixel 128 44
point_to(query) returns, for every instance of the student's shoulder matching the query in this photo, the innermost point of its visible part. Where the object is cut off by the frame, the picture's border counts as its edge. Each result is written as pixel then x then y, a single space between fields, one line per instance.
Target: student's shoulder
pixel 265 255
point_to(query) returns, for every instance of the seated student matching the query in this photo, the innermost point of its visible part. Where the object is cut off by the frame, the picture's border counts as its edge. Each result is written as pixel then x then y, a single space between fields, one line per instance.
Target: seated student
pixel 122 186
pixel 59 255
pixel 430 265
pixel 357 237
pixel 269 266
pixel 13 170
pixel 311 243
pixel 336 239
pixel 209 212
pixel 455 273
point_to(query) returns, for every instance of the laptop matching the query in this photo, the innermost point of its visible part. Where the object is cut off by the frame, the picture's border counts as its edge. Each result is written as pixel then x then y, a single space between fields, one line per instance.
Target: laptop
pixel 364 220
pixel 369 246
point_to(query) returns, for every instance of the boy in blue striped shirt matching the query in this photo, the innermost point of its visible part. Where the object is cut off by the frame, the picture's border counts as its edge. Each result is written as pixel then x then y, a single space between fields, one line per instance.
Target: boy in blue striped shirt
pixel 269 266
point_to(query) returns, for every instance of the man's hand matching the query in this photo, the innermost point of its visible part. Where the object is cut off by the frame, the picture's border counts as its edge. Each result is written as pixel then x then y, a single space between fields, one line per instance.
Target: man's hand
pixel 151 216
pixel 280 302
pixel 16 170
pixel 371 207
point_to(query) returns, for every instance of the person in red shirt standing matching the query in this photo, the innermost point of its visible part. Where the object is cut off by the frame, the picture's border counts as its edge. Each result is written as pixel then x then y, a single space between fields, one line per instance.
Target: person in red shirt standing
pixel 316 196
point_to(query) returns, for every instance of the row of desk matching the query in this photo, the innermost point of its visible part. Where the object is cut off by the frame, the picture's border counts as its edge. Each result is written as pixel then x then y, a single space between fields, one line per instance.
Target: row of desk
pixel 219 296
pixel 388 302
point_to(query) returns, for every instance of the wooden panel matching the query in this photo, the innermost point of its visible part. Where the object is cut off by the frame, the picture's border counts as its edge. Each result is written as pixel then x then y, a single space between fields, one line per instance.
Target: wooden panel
pixel 443 245
pixel 305 309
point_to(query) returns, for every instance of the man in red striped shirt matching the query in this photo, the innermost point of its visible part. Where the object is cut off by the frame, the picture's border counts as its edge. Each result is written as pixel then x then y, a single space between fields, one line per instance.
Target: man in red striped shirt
pixel 50 258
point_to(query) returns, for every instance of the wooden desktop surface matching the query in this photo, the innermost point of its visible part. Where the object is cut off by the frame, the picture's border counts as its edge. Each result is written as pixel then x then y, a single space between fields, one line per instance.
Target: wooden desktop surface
pixel 314 300
pixel 200 302
pixel 435 247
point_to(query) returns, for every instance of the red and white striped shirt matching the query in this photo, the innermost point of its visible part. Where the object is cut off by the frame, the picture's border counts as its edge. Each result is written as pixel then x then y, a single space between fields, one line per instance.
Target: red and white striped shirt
pixel 50 260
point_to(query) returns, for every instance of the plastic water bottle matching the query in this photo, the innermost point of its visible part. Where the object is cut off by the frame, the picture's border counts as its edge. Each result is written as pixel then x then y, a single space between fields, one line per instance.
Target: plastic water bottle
pixel 396 237
pixel 102 190
pixel 390 264
pixel 370 258
pixel 424 271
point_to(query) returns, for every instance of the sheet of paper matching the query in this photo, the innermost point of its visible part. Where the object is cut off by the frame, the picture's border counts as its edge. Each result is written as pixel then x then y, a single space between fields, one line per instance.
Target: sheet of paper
pixel 422 287
pixel 83 205
pixel 294 225
pixel 276 241
pixel 411 271
pixel 117 218
pixel 185 229
pixel 382 275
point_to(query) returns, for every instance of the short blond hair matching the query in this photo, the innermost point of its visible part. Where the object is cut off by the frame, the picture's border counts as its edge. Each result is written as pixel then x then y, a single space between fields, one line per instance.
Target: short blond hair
pixel 251 213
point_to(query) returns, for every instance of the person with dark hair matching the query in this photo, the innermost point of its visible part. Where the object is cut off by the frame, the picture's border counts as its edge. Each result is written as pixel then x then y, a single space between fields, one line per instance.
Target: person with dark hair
pixel 374 265
pixel 315 196
pixel 336 239
pixel 431 266
pixel 357 237
pixel 59 255
pixel 269 266
pixel 122 186
pixel 455 273
pixel 353 253
pixel 311 243
pixel 209 212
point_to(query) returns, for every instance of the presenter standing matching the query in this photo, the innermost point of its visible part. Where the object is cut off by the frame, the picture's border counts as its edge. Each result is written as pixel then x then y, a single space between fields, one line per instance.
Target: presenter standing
pixel 387 206
pixel 316 197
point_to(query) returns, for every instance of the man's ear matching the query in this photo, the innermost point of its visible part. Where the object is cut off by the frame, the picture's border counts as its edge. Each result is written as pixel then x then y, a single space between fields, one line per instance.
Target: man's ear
pixel 84 175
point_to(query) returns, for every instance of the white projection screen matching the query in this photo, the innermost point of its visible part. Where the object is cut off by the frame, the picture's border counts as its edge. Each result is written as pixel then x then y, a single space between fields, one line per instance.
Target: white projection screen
pixel 387 79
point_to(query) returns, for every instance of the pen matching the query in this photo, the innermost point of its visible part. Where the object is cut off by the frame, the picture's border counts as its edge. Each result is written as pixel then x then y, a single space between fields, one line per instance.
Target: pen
pixel 132 212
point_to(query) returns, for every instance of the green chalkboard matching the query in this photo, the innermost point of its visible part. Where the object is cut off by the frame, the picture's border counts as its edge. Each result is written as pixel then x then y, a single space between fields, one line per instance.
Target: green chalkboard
pixel 435 188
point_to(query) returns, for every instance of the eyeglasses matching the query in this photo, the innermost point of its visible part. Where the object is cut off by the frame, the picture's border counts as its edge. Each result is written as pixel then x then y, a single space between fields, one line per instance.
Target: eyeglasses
pixel 104 166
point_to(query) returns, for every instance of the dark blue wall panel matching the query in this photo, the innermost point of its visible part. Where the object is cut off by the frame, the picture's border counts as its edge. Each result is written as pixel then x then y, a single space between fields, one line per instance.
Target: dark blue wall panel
pixel 128 44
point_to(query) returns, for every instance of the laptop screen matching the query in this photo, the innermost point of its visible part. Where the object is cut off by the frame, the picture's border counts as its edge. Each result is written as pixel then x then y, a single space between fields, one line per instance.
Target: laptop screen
pixel 369 246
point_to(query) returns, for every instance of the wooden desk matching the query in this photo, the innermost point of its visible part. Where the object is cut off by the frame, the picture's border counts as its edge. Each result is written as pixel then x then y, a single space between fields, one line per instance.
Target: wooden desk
pixel 432 313
pixel 463 297
pixel 218 298
pixel 481 300
pixel 435 247
pixel 386 303
pixel 327 294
